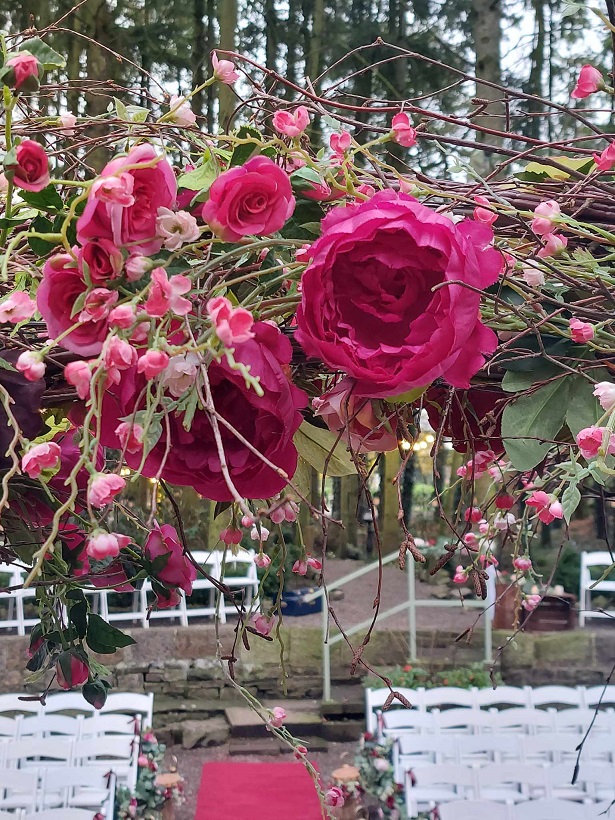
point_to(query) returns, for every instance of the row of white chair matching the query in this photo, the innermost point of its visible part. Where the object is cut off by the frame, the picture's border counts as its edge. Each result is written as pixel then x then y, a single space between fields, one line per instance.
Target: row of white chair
pixel 130 704
pixel 49 814
pixel 546 749
pixel 600 561
pixel 238 572
pixel 531 810
pixel 517 720
pixel 59 787
pixel 503 696
pixel 78 727
pixel 433 784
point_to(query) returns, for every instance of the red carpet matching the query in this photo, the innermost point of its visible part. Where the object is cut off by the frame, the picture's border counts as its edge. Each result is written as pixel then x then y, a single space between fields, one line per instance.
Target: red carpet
pixel 257 791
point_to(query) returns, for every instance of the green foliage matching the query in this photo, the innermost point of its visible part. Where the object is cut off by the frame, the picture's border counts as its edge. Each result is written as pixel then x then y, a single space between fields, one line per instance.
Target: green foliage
pixel 415 677
pixel 147 799
pixel 323 450
pixel 376 776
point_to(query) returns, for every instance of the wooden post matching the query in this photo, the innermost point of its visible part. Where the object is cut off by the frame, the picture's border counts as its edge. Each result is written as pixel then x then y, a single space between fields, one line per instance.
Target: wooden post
pixel 388 523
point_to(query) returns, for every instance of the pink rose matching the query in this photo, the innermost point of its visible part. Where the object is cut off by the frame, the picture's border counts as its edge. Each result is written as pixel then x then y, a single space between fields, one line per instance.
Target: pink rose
pixel 79 375
pixel 71 670
pixel 101 259
pixel 31 365
pixel 98 304
pixel 18 307
pixel 590 80
pixel 130 436
pixel 291 123
pixel 268 422
pixel 103 488
pixel 589 441
pixel 31 173
pixel 40 457
pixel 544 213
pixel 61 286
pixel 233 324
pixel 253 199
pixel 134 225
pixel 555 243
pixel 483 212
pixel 224 70
pixel 340 143
pixel 334 797
pixel 368 302
pixel 278 716
pixel 402 131
pixel 366 424
pixel 522 563
pixel 581 331
pixel 24 72
pixel 122 316
pixel 180 112
pixel 606 160
pixel 530 602
pixel 178 571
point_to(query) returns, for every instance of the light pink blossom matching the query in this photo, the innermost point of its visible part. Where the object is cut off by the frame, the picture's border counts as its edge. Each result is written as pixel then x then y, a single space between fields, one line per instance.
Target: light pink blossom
pixel 41 457
pixel 130 436
pixel 17 307
pixel 122 316
pixel 233 324
pixel 167 294
pixel 533 277
pixel 544 213
pixel 180 112
pixel 180 374
pixel 547 506
pixel 98 304
pixel 292 123
pixel 68 121
pixel 278 716
pixel 114 190
pixel 589 81
pixel 286 511
pixel 605 391
pixel 460 575
pixel 402 131
pixel 522 563
pixel 101 544
pixel 334 797
pixel 176 228
pixel 136 265
pixel 504 521
pixel 259 534
pixel 555 243
pixel 224 70
pixel 79 375
pixel 589 441
pixel 31 365
pixel 103 488
pixel 530 602
pixel 340 143
pixel 262 560
pixel 152 362
pixel 581 331
pixel 606 160
pixel 483 213
pixel 261 623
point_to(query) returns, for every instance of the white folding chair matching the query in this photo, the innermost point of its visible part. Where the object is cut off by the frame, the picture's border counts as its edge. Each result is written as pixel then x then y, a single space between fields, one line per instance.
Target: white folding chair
pixel 450 696
pixel 579 720
pixel 375 700
pixel 550 747
pixel 50 725
pixel 67 702
pixel 550 810
pixel 132 611
pixel 398 722
pixel 109 725
pixel 12 705
pixel 238 572
pixel 76 787
pixel 203 587
pixel 21 598
pixel 512 782
pixel 602 561
pixel 503 696
pixel 474 810
pixel 464 721
pixel 557 696
pixel 60 814
pixel 600 780
pixel 441 783
pixel 410 751
pixel 11 815
pixel 523 721
pixel 560 782
pixel 603 695
pixel 9 727
pixel 117 753
pixel 488 748
pixel 37 752
pixel 131 703
pixel 18 789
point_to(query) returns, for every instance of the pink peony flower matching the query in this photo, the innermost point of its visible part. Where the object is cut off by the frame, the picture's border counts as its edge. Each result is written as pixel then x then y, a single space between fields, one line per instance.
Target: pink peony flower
pixel 41 457
pixel 18 307
pixel 530 602
pixel 533 277
pixel 181 113
pixel 79 375
pixel 262 560
pixel 103 488
pixel 278 716
pixel 555 243
pixel 61 286
pixel 31 173
pixel 589 441
pixel 368 425
pixel 268 421
pixel 224 70
pixel 167 294
pixel 179 571
pixel 98 304
pixel 547 506
pixel 261 623
pixel 71 670
pixel 101 544
pixel 100 260
pixel 606 160
pixel 368 301
pixel 107 215
pixel 544 214
pixel 334 797
pixel 605 391
pixel 483 213
pixel 522 563
pixel 68 122
pixel 589 81
pixel 231 535
pixel 233 324
pixel 122 316
pixel 251 199
pixel 31 365
pixel 152 362
pixel 176 228
pixel 340 143
pixel 291 123
pixel 402 131
pixel 581 331
pixel 130 436
pixel 24 72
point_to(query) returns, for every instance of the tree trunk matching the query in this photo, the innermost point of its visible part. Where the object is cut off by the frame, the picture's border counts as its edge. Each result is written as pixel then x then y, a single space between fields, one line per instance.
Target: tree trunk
pixel 271 35
pixel 198 57
pixel 100 65
pixel 211 41
pixel 487 32
pixel 227 18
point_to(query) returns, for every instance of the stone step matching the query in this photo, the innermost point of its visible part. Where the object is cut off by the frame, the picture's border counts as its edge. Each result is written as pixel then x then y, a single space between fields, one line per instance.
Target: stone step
pixel 245 723
pixel 254 746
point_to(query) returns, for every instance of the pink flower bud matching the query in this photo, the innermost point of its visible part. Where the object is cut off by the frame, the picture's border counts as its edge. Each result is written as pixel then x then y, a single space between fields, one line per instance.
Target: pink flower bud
pixel 533 277
pixel 31 365
pixel 581 332
pixel 544 214
pixel 606 160
pixel 79 375
pixel 530 602
pixel 262 560
pixel 340 143
pixel 122 316
pixel 41 457
pixel 605 391
pixel 101 544
pixel 334 797
pixel 98 304
pixel 555 243
pixel 278 716
pixel 589 81
pixel 460 575
pixel 152 362
pixel 261 623
pixel 233 324
pixel 224 70
pixel 473 514
pixel 291 123
pixel 22 72
pixel 130 436
pixel 230 535
pixel 136 266
pixel 402 131
pixel 103 488
pixel 522 563
pixel 482 213
pixel 68 122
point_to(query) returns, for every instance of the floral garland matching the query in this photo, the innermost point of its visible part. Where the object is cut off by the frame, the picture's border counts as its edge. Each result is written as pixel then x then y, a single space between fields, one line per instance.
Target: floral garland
pixel 147 800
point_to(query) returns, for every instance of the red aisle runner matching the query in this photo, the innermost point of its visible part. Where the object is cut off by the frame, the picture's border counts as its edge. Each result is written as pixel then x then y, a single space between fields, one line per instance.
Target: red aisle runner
pixel 256 791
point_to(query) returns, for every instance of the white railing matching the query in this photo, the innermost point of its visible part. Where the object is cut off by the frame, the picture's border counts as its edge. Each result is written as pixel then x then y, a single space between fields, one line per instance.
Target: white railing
pixel 410 605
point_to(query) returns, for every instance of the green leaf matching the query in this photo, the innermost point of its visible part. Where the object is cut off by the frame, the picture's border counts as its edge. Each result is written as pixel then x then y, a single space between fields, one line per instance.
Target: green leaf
pixel 242 153
pixel 43 53
pixel 408 397
pixel 515 381
pixel 532 417
pixel 304 179
pixel 302 478
pixel 571 498
pixel 41 247
pixel 316 444
pixel 201 178
pixel 583 407
pixel 4 365
pixel 104 638
pixel 46 200
pixel 78 614
pixel 136 113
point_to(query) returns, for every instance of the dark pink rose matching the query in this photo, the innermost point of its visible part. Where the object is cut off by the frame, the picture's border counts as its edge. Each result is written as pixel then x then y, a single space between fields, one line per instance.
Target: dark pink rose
pixel 125 210
pixel 71 670
pixel 368 305
pixel 268 422
pixel 178 571
pixel 31 173
pixel 368 425
pixel 254 199
pixel 102 259
pixel 473 418
pixel 22 72
pixel 60 288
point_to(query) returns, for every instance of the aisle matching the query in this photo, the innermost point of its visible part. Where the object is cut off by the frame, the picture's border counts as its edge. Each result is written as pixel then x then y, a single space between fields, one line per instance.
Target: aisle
pixel 256 791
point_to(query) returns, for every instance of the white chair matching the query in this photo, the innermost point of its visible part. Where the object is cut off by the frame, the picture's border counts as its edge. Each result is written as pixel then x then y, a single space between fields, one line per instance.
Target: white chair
pixel 561 786
pixel 12 705
pixel 523 721
pixel 603 695
pixel 238 572
pixel 133 611
pixel 474 810
pixel 19 599
pixel 408 721
pixel 375 700
pixel 67 702
pixel 117 753
pixel 550 810
pixel 503 696
pixel 11 815
pixel 600 780
pixel 488 748
pixel 60 814
pixel 9 727
pixel 130 703
pixel 436 784
pixel 451 696
pixel 603 561
pixel 36 753
pixel 410 751
pixel 76 787
pixel 512 782
pixel 464 721
pixel 210 561
pixel 557 696
pixel 50 725
pixel 579 720
pixel 110 724
pixel 18 789
pixel 550 747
